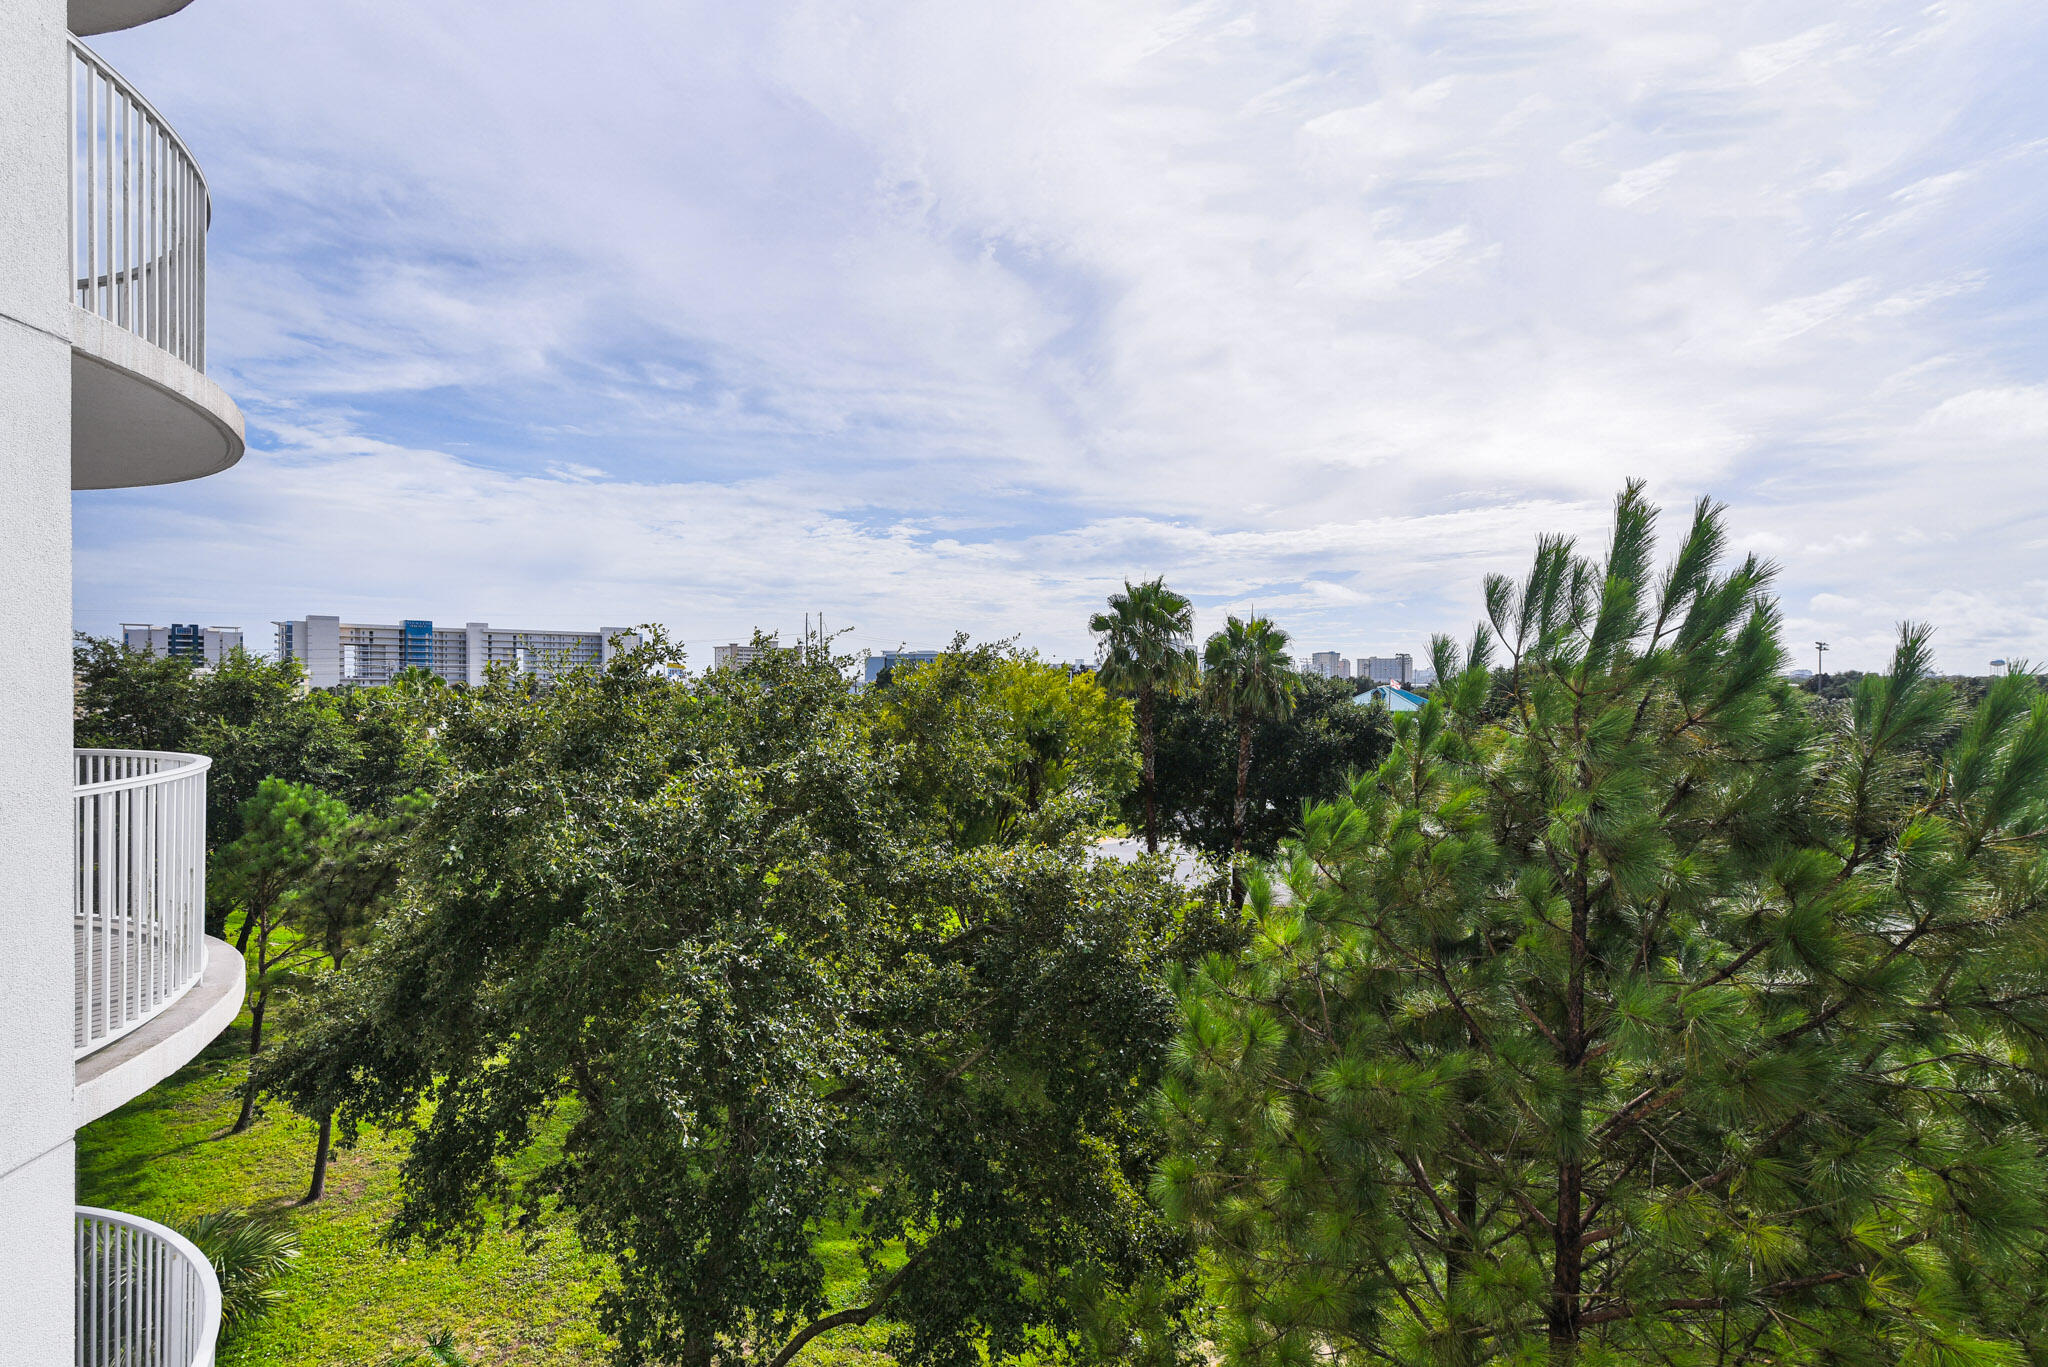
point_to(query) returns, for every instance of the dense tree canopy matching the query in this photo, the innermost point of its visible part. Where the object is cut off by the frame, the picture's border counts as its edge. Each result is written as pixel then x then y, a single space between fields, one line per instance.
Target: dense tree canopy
pixel 1007 746
pixel 265 876
pixel 1306 756
pixel 255 719
pixel 767 956
pixel 1663 1018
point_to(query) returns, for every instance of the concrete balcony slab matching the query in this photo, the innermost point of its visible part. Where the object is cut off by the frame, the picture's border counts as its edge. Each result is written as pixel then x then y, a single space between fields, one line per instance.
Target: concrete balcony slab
pixel 137 1061
pixel 88 17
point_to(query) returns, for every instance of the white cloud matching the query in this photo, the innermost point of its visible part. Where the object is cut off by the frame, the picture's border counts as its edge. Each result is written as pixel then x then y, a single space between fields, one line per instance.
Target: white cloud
pixel 940 315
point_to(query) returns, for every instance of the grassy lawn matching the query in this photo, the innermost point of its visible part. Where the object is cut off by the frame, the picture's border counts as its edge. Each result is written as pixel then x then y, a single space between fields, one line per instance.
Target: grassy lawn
pixel 167 1156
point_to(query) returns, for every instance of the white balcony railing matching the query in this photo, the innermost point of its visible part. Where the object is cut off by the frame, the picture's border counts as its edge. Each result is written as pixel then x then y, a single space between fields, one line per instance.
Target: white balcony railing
pixel 139 211
pixel 146 1296
pixel 139 915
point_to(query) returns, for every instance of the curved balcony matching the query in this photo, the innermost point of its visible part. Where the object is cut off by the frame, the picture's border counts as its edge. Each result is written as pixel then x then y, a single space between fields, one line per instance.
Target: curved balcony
pixel 151 988
pixel 106 16
pixel 142 409
pixel 145 1294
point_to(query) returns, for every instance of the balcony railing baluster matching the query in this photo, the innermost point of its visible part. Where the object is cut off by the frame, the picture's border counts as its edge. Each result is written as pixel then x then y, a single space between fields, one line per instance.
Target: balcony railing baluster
pixel 139 915
pixel 146 1296
pixel 139 213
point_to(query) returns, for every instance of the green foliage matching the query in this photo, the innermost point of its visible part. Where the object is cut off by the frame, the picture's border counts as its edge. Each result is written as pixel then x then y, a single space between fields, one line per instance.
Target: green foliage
pixel 438 1351
pixel 1653 1017
pixel 1070 742
pixel 350 1301
pixel 1147 640
pixel 1148 654
pixel 1247 677
pixel 256 720
pixel 133 700
pixel 336 906
pixel 392 753
pixel 784 959
pixel 289 832
pixel 1007 747
pixel 1307 756
pixel 1247 674
pixel 251 1251
pixel 287 829
pixel 356 880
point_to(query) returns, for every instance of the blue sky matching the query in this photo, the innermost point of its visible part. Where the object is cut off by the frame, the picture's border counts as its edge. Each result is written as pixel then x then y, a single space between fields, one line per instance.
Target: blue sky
pixel 950 316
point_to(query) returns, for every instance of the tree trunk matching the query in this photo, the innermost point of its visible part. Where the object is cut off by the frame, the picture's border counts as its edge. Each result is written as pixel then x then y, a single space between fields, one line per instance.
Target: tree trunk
pixel 1460 1263
pixel 1244 775
pixel 248 924
pixel 318 1188
pixel 248 1116
pixel 1147 745
pixel 1567 1279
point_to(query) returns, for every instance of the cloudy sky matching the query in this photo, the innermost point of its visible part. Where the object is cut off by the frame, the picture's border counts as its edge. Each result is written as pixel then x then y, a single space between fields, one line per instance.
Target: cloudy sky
pixel 951 315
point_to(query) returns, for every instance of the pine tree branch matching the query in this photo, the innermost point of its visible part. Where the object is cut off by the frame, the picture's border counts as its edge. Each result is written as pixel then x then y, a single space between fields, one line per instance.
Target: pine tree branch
pixel 1537 1021
pixel 1920 928
pixel 1784 1288
pixel 1741 962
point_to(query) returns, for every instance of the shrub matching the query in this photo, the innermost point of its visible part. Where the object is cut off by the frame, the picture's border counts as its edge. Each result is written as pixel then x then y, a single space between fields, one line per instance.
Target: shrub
pixel 250 1252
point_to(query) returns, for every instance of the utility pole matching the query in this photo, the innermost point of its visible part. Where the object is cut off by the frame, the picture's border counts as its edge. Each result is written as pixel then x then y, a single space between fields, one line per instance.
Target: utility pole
pixel 1820 654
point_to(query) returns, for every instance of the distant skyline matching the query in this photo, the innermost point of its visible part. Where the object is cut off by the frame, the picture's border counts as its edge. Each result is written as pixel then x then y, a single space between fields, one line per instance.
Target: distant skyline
pixel 943 316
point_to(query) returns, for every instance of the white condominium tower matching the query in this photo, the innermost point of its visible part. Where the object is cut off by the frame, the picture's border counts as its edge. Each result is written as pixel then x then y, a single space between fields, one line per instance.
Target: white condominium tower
pixel 735 655
pixel 206 646
pixel 1393 669
pixel 108 980
pixel 335 652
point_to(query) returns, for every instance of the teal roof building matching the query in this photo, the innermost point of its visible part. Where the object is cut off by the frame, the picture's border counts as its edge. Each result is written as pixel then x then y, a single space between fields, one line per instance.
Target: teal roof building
pixel 1396 699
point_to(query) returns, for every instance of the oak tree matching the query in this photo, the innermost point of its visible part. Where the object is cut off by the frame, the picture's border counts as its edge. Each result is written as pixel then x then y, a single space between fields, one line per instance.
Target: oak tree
pixel 710 970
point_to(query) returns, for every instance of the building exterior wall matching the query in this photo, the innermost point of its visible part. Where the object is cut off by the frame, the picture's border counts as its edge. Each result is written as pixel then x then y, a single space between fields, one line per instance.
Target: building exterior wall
pixel 889 659
pixel 1394 669
pixel 315 642
pixel 206 645
pixel 368 655
pixel 36 1166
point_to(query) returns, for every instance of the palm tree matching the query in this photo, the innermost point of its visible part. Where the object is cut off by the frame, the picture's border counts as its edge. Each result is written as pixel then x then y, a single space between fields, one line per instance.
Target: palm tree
pixel 1247 676
pixel 1147 649
pixel 250 1251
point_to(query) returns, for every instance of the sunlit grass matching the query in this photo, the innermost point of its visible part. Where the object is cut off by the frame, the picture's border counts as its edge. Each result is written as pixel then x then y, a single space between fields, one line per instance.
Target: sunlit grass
pixel 351 1300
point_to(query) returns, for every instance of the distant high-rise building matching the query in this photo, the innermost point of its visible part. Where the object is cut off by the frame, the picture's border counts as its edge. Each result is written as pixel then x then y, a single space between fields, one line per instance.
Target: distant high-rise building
pixel 1384 669
pixel 889 659
pixel 335 652
pixel 204 646
pixel 734 655
pixel 1330 665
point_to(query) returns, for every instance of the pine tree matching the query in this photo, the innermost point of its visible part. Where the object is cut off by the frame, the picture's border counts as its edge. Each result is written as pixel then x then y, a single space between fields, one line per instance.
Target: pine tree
pixel 288 829
pixel 1667 1016
pixel 354 886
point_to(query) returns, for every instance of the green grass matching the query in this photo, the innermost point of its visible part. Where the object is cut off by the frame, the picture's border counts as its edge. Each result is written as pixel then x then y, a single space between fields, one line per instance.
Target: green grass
pixel 167 1155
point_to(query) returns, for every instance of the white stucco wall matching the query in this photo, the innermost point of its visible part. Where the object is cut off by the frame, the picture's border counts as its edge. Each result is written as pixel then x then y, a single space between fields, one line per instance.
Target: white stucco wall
pixel 35 1287
pixel 36 1165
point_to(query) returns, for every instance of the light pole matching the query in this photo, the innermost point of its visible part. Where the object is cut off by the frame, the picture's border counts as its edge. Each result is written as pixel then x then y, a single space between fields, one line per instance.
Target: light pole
pixel 1820 654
